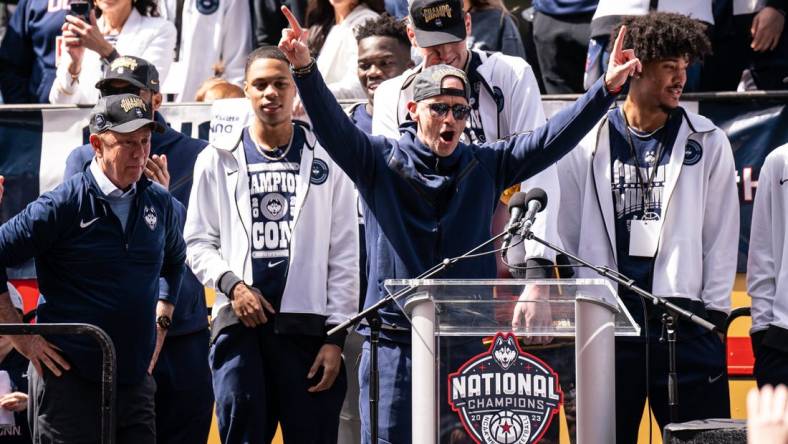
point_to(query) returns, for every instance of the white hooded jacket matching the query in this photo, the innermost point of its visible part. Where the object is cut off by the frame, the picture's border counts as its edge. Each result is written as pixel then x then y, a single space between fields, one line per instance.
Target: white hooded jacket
pixel 767 270
pixel 698 241
pixel 322 278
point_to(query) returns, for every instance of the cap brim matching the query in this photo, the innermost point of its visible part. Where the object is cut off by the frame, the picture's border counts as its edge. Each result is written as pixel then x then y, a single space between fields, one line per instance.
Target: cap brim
pixel 134 125
pixel 103 82
pixel 425 39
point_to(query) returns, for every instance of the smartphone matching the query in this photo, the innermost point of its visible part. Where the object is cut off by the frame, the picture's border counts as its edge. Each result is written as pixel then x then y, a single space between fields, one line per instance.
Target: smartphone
pixel 80 9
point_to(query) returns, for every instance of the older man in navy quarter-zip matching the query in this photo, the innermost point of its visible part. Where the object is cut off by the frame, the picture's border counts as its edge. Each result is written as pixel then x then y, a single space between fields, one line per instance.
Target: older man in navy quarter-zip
pixel 108 252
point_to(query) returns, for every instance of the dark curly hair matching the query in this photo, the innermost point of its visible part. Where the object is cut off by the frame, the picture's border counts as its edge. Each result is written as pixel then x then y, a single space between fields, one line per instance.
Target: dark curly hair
pixel 663 35
pixel 383 26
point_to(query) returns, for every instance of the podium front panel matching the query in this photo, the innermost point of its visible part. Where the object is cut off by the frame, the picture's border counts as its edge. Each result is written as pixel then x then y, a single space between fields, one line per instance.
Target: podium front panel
pixel 494 361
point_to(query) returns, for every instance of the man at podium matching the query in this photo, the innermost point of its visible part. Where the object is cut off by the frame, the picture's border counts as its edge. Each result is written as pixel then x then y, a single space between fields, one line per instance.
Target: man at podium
pixel 433 197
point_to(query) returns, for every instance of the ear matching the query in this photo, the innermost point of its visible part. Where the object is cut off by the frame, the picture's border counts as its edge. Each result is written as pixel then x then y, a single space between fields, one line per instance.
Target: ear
pixel 410 64
pixel 156 102
pixel 467 24
pixel 95 142
pixel 412 110
pixel 246 89
pixel 412 36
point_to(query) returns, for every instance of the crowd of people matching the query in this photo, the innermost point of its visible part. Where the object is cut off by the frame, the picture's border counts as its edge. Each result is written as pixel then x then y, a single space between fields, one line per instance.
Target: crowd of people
pixel 47 43
pixel 297 222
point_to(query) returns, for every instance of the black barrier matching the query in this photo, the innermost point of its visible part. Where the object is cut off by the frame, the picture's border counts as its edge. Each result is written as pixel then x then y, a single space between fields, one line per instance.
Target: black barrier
pixel 108 365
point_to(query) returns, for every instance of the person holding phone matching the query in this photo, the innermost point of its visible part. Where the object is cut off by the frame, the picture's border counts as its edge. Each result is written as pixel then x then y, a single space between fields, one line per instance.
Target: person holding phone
pixel 93 37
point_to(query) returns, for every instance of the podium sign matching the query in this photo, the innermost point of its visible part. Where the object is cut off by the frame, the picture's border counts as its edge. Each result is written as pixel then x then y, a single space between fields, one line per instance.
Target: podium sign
pixel 473 376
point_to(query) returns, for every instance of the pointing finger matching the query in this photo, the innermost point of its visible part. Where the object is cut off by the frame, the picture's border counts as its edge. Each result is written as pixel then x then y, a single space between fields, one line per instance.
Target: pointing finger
pixel 619 44
pixel 292 21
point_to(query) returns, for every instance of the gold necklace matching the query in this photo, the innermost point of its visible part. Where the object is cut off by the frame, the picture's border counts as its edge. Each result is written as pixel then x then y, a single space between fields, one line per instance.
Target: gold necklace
pixel 262 150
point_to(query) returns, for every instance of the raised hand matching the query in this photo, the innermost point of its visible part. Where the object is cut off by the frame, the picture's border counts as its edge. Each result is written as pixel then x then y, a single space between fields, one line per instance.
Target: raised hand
pixel 293 41
pixel 623 64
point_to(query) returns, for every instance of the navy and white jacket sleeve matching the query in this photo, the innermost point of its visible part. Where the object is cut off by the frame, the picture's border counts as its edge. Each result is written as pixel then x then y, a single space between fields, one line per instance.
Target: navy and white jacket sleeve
pixel 357 153
pixel 525 155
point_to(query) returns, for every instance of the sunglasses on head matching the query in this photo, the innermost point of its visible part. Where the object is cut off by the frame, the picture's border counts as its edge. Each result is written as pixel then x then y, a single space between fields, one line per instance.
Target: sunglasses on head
pixel 459 111
pixel 115 90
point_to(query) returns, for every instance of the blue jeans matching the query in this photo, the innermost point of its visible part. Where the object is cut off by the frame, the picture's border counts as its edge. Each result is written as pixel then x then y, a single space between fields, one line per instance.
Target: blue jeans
pixel 394 407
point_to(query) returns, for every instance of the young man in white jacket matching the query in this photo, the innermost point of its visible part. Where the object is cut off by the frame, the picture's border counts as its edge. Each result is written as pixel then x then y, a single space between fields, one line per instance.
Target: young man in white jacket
pixel 651 193
pixel 272 226
pixel 767 271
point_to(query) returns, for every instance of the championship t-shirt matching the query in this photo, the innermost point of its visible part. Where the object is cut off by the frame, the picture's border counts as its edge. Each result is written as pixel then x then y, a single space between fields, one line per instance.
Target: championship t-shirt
pixel 273 179
pixel 653 151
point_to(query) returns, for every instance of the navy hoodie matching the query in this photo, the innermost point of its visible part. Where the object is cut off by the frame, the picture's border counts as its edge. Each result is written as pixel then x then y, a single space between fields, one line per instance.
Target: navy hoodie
pixel 190 313
pixel 90 270
pixel 428 208
pixel 27 55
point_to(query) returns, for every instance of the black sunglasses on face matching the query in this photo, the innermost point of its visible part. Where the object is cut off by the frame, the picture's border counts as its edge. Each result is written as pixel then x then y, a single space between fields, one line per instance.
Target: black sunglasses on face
pixel 459 111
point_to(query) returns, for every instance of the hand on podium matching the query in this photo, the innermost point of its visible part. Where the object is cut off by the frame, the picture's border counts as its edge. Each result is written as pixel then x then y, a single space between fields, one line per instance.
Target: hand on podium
pixel 532 312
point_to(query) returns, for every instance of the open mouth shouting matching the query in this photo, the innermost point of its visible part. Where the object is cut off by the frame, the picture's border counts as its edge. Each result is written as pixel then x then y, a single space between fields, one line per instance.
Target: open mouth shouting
pixel 447 136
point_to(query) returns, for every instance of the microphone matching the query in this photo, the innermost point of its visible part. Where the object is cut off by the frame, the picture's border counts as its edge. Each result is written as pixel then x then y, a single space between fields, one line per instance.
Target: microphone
pixel 516 210
pixel 535 201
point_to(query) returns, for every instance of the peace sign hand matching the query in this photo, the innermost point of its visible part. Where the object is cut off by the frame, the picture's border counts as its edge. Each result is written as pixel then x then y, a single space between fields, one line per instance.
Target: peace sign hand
pixel 293 41
pixel 623 64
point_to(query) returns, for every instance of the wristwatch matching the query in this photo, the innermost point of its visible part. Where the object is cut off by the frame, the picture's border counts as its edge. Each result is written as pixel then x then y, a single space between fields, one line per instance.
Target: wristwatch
pixel 164 322
pixel 110 58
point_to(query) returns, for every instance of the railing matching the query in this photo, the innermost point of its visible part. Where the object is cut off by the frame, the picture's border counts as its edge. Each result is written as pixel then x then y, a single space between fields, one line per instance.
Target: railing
pixel 108 364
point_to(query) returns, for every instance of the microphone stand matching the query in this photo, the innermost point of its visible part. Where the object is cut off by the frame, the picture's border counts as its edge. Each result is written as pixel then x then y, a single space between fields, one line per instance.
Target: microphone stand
pixel 372 316
pixel 672 310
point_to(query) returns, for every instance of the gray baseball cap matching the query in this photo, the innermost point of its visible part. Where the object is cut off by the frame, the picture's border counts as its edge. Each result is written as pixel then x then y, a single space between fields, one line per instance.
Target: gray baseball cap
pixel 428 83
pixel 122 113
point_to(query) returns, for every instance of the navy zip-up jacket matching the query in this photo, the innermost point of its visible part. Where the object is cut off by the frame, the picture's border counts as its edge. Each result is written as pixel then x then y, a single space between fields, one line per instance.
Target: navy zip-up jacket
pixel 90 270
pixel 427 207
pixel 190 313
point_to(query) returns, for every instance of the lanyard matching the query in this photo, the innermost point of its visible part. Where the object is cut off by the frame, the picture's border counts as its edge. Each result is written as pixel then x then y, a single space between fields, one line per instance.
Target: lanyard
pixel 646 184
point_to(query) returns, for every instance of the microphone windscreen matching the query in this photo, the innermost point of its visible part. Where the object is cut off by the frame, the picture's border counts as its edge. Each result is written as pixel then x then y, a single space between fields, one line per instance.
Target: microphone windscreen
pixel 517 200
pixel 537 194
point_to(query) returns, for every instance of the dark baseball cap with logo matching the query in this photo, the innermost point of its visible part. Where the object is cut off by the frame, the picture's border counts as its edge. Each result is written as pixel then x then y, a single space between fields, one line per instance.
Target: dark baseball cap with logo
pixel 428 83
pixel 122 113
pixel 437 22
pixel 131 69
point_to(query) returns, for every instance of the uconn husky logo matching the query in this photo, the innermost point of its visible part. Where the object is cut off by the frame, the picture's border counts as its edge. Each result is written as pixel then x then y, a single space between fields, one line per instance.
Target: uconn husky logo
pixel 149 214
pixel 505 396
pixel 319 173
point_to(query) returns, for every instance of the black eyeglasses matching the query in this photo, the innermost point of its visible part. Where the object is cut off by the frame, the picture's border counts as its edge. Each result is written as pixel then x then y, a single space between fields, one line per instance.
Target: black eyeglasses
pixel 459 111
